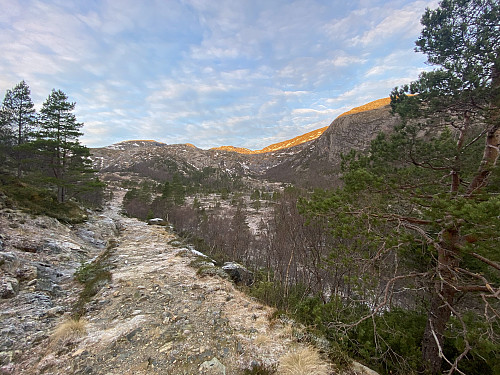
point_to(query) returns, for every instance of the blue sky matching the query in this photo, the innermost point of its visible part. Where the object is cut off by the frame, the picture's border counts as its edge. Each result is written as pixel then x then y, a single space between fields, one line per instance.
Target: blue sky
pixel 246 73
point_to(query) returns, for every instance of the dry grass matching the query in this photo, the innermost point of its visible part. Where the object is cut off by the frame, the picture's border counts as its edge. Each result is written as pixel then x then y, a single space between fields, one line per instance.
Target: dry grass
pixel 262 340
pixel 303 361
pixel 68 330
pixel 287 331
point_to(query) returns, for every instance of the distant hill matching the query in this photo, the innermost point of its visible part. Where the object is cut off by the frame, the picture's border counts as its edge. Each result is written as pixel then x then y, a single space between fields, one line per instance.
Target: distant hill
pixel 312 135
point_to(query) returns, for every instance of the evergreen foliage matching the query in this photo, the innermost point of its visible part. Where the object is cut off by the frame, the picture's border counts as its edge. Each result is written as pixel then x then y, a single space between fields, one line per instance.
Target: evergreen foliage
pixel 64 161
pixel 17 123
pixel 44 149
pixel 423 203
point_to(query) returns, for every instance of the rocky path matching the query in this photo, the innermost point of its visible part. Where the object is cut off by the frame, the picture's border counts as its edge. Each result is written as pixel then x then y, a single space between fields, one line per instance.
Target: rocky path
pixel 157 316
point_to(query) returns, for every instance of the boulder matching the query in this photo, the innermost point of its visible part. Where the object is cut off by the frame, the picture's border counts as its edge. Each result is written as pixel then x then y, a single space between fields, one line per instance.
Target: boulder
pixel 213 367
pixel 157 221
pixel 9 287
pixel 238 273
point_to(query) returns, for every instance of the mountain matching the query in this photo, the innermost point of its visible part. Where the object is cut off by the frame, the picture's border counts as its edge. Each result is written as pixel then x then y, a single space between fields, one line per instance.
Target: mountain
pixel 312 159
pixel 318 163
pixel 310 136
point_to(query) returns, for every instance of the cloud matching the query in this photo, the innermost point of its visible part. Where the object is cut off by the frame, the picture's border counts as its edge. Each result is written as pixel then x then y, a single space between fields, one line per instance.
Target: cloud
pixel 399 23
pixel 246 73
pixel 396 63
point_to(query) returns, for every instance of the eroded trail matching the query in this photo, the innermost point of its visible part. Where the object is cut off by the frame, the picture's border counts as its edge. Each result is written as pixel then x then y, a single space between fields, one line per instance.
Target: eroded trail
pixel 157 316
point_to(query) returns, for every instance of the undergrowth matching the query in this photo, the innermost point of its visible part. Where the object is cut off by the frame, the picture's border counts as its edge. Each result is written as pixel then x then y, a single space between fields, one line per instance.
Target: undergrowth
pixel 29 198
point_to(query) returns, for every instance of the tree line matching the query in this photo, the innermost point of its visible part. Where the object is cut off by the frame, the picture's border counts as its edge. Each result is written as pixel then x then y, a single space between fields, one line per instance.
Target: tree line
pixel 44 147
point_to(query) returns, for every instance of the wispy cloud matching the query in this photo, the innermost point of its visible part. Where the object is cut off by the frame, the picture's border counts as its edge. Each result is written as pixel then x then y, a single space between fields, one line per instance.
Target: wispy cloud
pixel 246 73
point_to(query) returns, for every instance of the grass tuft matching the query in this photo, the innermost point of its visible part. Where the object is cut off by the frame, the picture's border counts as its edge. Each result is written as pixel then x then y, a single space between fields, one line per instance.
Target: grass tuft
pixel 303 361
pixel 68 331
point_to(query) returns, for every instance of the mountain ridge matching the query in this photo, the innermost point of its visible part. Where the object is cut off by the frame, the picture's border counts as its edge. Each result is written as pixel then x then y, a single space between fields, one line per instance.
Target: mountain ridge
pixel 298 140
pixel 307 137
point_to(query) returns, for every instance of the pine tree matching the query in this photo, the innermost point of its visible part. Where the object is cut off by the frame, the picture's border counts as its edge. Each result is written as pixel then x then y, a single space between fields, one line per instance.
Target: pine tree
pixel 422 197
pixel 17 122
pixel 64 160
pixel 461 38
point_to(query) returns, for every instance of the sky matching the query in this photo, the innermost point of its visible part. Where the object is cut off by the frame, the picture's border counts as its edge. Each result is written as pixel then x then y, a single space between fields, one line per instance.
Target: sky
pixel 246 73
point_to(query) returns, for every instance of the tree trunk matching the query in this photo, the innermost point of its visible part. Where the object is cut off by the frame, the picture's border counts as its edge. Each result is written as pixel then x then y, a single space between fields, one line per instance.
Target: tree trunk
pixel 61 193
pixel 490 157
pixel 442 299
pixel 492 147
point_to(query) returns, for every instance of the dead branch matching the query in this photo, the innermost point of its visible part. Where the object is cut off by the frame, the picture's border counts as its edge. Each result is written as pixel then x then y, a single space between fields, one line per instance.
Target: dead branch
pixel 486 260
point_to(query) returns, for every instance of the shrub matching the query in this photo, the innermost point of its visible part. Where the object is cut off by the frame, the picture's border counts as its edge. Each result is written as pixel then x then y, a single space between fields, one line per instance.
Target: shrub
pixel 39 201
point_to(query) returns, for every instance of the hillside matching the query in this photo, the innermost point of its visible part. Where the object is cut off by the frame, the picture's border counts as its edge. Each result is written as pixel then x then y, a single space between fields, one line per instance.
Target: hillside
pixel 310 136
pixel 296 160
pixel 312 159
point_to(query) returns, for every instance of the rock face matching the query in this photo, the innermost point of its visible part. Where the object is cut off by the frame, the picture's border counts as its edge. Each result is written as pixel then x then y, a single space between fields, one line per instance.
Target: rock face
pixel 354 132
pixel 38 256
pixel 318 163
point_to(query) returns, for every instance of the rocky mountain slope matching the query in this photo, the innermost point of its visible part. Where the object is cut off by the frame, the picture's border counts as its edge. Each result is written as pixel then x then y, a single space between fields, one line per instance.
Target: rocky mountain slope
pixel 155 315
pixel 152 312
pixel 310 136
pixel 318 162
pixel 310 160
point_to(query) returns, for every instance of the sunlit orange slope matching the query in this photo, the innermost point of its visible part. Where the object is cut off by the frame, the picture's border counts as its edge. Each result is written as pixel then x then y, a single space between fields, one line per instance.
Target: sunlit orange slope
pixel 308 136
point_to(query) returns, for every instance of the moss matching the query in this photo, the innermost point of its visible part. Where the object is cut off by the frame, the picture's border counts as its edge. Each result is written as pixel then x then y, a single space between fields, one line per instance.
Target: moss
pixel 93 276
pixel 210 270
pixel 38 201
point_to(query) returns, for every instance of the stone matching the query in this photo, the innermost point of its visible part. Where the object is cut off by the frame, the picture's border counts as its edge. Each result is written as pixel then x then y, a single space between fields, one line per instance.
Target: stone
pixel 9 287
pixel 27 246
pixel 55 311
pixel 51 247
pixel 26 273
pixel 48 280
pixel 238 273
pixel 157 221
pixel 362 369
pixel 213 367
